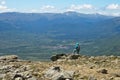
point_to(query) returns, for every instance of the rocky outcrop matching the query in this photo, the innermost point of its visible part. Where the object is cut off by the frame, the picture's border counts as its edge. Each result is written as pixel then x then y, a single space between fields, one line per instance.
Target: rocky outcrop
pixel 57 73
pixel 64 56
pixel 10 58
pixel 19 76
pixel 69 67
pixel 12 69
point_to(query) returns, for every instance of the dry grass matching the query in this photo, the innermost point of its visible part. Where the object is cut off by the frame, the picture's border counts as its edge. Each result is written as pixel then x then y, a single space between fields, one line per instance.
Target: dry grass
pixel 84 68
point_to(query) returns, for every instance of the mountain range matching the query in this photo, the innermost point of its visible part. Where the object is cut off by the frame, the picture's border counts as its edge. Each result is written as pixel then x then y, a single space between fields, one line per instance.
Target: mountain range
pixel 50 33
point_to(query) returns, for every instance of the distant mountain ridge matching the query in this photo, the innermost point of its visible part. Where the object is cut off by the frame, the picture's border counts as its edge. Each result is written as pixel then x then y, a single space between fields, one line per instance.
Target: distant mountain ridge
pixel 43 22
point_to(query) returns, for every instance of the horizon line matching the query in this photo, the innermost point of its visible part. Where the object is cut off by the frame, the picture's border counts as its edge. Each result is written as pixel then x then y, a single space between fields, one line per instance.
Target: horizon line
pixel 60 13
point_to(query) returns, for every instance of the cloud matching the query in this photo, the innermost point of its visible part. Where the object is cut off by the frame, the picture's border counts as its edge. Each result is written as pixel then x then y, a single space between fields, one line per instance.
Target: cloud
pixel 48 8
pixel 113 7
pixel 111 10
pixel 80 7
pixel 3 2
pixel 3 7
pixel 33 10
pixel 109 14
pixel 6 9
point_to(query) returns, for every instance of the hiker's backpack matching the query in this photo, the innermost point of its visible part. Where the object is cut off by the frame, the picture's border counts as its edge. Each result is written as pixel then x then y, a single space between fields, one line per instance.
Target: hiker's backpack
pixel 77 46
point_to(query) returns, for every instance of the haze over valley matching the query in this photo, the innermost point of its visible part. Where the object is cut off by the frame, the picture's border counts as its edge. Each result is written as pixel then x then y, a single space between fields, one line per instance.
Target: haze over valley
pixel 40 35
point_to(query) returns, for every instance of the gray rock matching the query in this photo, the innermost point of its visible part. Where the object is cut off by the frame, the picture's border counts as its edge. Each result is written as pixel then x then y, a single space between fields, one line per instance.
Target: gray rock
pixel 64 56
pixel 32 78
pixel 24 75
pixel 74 56
pixel 56 57
pixel 22 69
pixel 7 68
pixel 9 58
pixel 56 73
pixel 62 76
pixel 2 76
pixel 19 78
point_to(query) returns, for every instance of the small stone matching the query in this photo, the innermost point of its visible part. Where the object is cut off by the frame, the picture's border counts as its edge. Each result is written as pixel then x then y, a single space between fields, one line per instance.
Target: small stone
pixel 103 71
pixel 19 78
pixel 91 67
pixel 32 78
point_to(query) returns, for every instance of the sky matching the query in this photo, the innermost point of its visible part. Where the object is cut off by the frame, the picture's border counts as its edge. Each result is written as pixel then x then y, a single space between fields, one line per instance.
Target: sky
pixel 105 7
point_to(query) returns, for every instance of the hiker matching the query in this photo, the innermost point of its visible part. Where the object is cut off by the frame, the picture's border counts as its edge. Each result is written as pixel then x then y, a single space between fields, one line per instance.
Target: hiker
pixel 77 48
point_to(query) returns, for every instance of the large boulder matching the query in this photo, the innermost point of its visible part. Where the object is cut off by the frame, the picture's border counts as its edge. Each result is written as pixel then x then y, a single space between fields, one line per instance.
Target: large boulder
pixel 57 56
pixel 56 73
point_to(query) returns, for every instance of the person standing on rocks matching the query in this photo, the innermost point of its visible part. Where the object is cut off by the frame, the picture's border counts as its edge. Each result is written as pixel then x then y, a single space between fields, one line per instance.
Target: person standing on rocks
pixel 77 48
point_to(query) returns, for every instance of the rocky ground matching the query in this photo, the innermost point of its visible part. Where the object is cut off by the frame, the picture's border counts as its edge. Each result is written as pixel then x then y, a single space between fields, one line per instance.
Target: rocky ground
pixel 62 67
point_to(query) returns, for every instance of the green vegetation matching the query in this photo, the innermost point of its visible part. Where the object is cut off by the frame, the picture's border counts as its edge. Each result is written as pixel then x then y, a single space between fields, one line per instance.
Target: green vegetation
pixel 27 45
pixel 41 46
